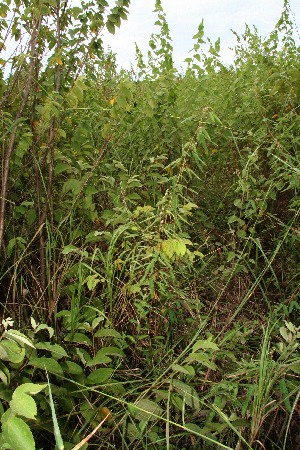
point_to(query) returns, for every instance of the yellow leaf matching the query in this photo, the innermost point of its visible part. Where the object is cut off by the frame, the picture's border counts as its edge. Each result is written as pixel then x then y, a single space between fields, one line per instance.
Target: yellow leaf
pixel 59 61
pixel 94 30
pixel 118 263
pixel 105 413
pixel 3 15
pixel 92 56
pixel 113 101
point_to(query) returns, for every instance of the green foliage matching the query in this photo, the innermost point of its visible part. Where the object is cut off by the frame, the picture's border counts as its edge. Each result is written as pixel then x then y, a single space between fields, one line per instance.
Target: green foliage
pixel 150 247
pixel 16 433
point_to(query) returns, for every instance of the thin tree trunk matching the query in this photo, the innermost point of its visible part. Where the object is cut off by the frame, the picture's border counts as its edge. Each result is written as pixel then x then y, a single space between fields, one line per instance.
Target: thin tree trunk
pixel 48 207
pixel 11 144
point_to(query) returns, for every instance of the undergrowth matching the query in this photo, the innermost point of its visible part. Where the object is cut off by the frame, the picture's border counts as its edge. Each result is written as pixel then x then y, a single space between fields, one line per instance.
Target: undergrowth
pixel 150 254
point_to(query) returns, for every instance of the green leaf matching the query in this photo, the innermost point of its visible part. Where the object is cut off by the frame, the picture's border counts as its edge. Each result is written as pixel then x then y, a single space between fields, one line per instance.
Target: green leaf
pixel 55 349
pixel 80 83
pixel 101 356
pixel 61 132
pixel 116 388
pixel 290 326
pixel 71 368
pixel 294 368
pixel 240 423
pixel 110 27
pixel 72 185
pixel 168 247
pixel 241 233
pixel 230 256
pixel 61 167
pixel 194 428
pixel 29 388
pixel 203 344
pixel 188 207
pixel 146 410
pixel 97 321
pixel 232 219
pixel 4 353
pixel 180 248
pixel 1 413
pixel 23 405
pixel 171 247
pixel 92 237
pixel 11 351
pixel 238 203
pixel 31 216
pixel 15 242
pixel 69 249
pixel 18 434
pixel 99 376
pixel 285 395
pixel 79 338
pixel 214 427
pixel 288 337
pixel 43 326
pixel 99 359
pixel 92 281
pixel 203 359
pixel 188 393
pixel 75 94
pixel 177 402
pixel 4 374
pixel 107 332
pixel 186 369
pixel 132 432
pixel 19 337
pixel 48 364
pixel 134 289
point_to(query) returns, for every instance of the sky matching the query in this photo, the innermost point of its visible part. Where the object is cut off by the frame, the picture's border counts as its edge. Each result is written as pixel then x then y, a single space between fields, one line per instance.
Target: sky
pixel 184 16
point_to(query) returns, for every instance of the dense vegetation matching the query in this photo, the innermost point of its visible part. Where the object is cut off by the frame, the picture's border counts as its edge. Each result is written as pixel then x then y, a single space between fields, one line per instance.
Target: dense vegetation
pixel 149 235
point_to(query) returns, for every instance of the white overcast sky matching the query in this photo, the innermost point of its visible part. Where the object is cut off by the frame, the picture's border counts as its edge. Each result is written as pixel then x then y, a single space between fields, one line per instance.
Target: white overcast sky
pixel 184 16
